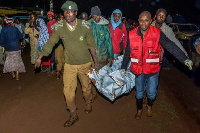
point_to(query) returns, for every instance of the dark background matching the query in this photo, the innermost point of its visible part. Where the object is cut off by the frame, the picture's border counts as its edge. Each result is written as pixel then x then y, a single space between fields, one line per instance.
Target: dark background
pixel 190 9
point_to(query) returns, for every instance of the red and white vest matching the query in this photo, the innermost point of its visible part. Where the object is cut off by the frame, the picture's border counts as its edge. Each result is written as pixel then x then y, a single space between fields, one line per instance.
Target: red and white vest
pixel 146 55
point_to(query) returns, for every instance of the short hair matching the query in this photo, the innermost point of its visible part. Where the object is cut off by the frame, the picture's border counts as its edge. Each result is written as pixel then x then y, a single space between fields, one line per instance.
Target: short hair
pixel 84 13
pixel 33 14
pixel 145 12
pixel 161 9
pixel 17 18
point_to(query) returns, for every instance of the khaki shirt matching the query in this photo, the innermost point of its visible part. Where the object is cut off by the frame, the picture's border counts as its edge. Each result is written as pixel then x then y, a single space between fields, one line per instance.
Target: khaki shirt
pixel 77 42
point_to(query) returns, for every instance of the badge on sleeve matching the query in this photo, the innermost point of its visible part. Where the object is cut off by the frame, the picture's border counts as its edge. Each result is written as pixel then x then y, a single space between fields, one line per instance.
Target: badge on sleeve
pixel 81 38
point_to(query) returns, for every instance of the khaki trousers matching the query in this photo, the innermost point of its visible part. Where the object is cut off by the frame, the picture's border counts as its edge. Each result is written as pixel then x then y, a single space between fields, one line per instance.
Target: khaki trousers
pixel 70 83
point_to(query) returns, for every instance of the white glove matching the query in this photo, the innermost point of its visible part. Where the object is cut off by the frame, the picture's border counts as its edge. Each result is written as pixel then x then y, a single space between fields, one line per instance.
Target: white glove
pixel 124 71
pixel 188 63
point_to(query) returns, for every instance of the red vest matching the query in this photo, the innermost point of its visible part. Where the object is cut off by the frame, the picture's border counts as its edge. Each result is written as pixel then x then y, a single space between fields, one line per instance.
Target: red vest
pixel 146 55
pixel 117 36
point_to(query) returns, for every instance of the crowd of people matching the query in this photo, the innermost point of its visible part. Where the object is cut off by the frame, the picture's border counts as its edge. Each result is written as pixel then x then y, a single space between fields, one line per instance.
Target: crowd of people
pixel 77 45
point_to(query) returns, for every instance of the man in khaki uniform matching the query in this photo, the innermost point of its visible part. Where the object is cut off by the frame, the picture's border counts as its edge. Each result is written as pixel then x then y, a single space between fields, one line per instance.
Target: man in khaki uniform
pixel 30 29
pixel 78 39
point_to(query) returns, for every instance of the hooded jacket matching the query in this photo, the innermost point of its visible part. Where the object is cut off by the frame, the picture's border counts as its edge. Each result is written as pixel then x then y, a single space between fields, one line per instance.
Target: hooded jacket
pixel 118 34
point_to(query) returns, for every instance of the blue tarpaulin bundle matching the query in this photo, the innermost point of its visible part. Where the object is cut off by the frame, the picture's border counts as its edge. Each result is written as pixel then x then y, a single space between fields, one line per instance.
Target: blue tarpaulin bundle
pixel 113 82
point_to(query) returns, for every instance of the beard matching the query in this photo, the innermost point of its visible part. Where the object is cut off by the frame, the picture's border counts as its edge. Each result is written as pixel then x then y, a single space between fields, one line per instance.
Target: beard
pixel 159 22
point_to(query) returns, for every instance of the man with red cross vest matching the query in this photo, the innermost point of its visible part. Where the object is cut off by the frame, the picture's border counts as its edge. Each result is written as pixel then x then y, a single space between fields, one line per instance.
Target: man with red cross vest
pixel 144 50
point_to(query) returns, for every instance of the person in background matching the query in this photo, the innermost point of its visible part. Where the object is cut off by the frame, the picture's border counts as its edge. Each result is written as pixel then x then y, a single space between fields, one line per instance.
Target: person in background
pixel 20 26
pixel 79 45
pixel 129 24
pixel 144 51
pixel 60 17
pixel 50 26
pixel 51 22
pixel 31 30
pixel 1 48
pixel 159 22
pixel 84 16
pixel 43 36
pixel 118 33
pixel 10 39
pixel 59 51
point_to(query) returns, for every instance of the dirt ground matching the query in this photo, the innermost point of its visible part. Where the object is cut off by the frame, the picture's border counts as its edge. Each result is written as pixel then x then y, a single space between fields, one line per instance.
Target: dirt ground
pixel 35 104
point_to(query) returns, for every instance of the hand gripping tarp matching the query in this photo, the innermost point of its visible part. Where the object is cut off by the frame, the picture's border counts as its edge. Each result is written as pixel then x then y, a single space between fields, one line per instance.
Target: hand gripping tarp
pixel 113 82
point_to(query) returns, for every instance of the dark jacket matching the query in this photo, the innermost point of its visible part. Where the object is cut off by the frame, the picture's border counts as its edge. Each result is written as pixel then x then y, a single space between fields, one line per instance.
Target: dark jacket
pixel 10 38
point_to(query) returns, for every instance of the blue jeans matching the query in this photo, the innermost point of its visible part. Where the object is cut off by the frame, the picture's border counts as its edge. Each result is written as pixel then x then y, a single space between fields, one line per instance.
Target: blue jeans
pixel 149 84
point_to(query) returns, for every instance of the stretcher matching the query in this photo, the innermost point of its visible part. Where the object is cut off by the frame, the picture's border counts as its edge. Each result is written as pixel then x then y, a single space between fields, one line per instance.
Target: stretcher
pixel 112 81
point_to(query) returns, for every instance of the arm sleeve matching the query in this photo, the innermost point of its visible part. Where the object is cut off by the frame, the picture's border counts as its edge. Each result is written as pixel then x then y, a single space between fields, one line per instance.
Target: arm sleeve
pixel 2 39
pixel 19 34
pixel 109 43
pixel 172 37
pixel 90 39
pixel 125 36
pixel 172 48
pixel 47 48
pixel 126 55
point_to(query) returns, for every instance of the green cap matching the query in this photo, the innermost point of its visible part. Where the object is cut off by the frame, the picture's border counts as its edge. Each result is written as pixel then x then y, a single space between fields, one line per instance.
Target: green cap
pixel 69 6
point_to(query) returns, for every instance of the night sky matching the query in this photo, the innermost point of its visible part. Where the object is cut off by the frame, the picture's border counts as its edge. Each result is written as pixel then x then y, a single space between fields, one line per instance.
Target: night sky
pixel 129 8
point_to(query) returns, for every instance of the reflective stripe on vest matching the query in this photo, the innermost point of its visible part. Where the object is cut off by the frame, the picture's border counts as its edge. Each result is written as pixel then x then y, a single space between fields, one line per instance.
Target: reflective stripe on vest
pixel 152 60
pixel 134 60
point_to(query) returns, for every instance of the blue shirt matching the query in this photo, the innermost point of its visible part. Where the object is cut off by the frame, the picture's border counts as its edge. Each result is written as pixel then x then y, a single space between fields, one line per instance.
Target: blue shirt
pixel 10 38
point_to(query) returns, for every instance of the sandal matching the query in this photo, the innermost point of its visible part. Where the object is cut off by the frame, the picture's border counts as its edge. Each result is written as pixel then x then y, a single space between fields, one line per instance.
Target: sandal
pixel 13 74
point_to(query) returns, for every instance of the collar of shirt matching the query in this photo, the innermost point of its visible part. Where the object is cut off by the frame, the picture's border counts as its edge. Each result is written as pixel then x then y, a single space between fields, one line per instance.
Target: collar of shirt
pixel 71 27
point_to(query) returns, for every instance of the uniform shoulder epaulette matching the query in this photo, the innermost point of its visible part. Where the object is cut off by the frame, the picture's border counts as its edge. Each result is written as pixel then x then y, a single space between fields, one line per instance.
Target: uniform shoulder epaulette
pixel 86 24
pixel 58 24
